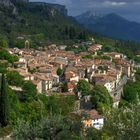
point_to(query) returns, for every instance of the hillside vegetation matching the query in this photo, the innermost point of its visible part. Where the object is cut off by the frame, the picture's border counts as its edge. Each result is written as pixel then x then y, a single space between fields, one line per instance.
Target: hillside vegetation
pixel 39 22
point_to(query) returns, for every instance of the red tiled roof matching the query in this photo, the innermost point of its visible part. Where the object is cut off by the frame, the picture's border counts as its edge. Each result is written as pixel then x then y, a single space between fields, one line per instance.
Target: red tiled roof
pixel 94 114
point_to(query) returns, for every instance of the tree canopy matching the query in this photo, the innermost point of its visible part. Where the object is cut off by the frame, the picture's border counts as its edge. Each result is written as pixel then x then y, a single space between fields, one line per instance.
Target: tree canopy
pixel 4 102
pixel 3 42
pixel 5 55
pixel 100 96
pixel 84 87
pixel 123 123
pixel 29 90
pixel 14 78
pixel 59 71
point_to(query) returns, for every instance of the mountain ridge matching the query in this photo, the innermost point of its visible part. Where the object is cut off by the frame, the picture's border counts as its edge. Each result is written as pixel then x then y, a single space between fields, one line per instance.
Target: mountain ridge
pixel 112 25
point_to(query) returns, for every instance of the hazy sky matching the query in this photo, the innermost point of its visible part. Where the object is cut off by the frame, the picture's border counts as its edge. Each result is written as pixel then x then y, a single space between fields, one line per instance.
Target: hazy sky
pixel 127 8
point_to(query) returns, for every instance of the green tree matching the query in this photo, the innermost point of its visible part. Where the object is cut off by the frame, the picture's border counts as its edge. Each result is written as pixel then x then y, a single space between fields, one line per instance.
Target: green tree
pixel 29 91
pixel 84 87
pixel 87 56
pixel 137 59
pixel 58 104
pixel 34 110
pixel 24 130
pixel 123 123
pixel 3 42
pixel 107 48
pixel 130 93
pixel 64 87
pixel 94 134
pixel 137 74
pixel 4 102
pixel 3 67
pixel 5 55
pixel 19 43
pixel 50 128
pixel 59 71
pixel 100 97
pixel 15 106
pixel 14 78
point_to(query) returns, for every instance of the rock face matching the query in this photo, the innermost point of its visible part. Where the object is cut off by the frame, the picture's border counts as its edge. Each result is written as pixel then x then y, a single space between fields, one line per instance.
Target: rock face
pixel 10 5
pixel 62 9
pixel 54 8
pixel 7 6
pixel 6 3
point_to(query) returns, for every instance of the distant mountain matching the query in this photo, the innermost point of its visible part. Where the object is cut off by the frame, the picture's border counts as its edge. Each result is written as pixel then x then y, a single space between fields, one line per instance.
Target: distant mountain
pixel 88 18
pixel 111 25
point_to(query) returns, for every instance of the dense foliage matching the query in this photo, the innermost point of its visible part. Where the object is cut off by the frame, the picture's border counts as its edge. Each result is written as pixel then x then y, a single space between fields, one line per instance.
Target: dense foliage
pixel 4 102
pixel 83 86
pixel 59 71
pixel 100 97
pixel 81 48
pixel 122 123
pixel 5 55
pixel 3 42
pixel 50 128
pixel 30 107
pixel 137 59
pixel 132 91
pixel 130 48
pixel 14 78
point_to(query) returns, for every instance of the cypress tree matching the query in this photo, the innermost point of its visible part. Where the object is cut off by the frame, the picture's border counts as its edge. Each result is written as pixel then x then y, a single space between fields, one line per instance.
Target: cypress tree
pixel 86 73
pixel 4 104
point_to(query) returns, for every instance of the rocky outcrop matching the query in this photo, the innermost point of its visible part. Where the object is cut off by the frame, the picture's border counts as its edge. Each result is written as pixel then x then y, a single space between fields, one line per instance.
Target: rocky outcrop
pixel 53 8
pixel 6 3
pixel 6 6
pixel 61 8
pixel 9 5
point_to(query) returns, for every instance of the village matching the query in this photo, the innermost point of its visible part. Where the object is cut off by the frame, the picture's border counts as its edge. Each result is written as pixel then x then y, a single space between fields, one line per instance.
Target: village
pixel 53 67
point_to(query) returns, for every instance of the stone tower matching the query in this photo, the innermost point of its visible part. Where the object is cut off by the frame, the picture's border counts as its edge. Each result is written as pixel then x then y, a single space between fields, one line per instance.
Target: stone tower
pixel 27 45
